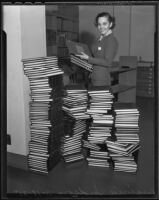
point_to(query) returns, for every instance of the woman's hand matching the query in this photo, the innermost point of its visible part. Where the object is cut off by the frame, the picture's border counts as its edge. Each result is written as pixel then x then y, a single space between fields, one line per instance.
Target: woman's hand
pixel 83 56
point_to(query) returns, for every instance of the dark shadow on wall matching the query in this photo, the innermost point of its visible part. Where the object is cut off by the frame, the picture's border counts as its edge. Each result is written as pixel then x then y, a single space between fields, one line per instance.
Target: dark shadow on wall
pixel 87 38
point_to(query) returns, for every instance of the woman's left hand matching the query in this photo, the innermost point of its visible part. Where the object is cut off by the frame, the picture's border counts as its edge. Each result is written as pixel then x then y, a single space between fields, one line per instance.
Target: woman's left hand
pixel 83 56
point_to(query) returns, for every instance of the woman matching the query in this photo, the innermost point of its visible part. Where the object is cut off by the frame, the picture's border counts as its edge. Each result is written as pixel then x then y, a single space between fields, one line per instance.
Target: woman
pixel 104 51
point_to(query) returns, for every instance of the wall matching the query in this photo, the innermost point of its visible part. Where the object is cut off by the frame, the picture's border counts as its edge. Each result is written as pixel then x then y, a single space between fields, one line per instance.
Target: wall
pixel 33 40
pixel 134 28
pixel 142 32
pixel 26 38
pixel 15 98
pixel 122 29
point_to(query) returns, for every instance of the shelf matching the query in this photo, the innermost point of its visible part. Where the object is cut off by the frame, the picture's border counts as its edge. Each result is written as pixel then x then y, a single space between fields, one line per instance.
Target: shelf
pixel 121 88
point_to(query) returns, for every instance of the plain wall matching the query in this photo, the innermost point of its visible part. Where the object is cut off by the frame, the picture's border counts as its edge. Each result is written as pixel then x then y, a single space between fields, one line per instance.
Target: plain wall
pixel 33 39
pixel 142 32
pixel 134 28
pixel 122 29
pixel 15 97
pixel 26 38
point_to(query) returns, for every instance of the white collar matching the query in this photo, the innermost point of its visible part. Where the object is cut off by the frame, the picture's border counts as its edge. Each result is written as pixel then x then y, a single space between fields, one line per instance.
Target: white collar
pixel 108 33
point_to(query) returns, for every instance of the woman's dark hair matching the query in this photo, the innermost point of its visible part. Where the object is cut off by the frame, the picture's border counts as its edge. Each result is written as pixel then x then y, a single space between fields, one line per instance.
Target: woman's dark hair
pixel 110 18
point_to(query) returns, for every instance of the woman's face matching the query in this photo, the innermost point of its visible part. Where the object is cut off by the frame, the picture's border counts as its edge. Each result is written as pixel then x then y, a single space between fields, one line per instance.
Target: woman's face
pixel 103 25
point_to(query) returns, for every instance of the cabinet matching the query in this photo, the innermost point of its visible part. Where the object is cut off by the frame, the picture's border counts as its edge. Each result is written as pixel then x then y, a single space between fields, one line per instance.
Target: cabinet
pixel 145 79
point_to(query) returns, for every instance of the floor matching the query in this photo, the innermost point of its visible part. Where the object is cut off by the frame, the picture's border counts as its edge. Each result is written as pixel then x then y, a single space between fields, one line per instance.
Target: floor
pixel 78 178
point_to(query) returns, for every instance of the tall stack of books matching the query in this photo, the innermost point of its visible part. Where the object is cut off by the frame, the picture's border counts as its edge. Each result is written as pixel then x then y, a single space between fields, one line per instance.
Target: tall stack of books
pixel 123 149
pixel 100 105
pixel 75 116
pixel 46 125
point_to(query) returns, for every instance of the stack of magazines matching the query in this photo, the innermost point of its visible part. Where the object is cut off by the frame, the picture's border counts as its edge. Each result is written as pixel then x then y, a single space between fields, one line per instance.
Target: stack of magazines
pixel 100 105
pixel 75 116
pixel 125 147
pixel 45 104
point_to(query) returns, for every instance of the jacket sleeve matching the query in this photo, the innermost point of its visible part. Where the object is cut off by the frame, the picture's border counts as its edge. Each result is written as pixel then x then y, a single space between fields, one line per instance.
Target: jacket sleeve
pixel 110 49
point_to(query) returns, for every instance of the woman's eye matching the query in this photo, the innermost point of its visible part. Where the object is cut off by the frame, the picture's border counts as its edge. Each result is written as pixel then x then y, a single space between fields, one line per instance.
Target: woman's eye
pixel 104 24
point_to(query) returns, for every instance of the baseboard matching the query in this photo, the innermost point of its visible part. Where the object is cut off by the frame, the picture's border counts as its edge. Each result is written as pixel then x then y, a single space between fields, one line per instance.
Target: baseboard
pixel 16 160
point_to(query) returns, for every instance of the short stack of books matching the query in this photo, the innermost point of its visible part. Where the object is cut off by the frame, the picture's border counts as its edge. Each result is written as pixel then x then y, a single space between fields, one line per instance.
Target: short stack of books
pixel 124 148
pixel 75 103
pixel 75 49
pixel 75 116
pixel 100 105
pixel 81 63
pixel 122 155
pixel 45 104
pixel 126 123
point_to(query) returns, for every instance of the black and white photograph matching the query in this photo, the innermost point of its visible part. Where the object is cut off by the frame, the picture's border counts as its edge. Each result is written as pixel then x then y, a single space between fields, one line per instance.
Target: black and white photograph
pixel 79 100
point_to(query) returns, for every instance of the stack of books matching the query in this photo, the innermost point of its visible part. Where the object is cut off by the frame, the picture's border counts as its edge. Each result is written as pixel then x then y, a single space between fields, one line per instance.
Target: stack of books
pixel 122 155
pixel 126 144
pixel 45 103
pixel 100 105
pixel 90 145
pixel 75 103
pixel 98 159
pixel 75 116
pixel 81 63
pixel 75 49
pixel 41 67
pixel 126 123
